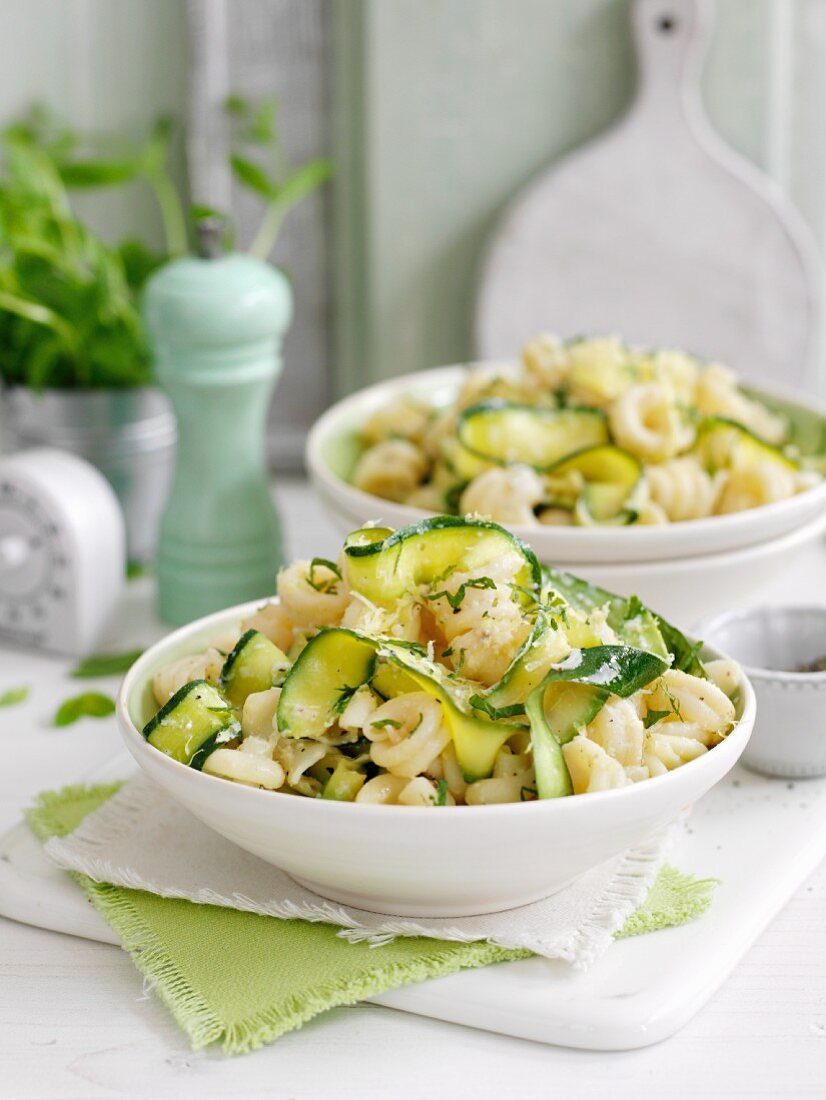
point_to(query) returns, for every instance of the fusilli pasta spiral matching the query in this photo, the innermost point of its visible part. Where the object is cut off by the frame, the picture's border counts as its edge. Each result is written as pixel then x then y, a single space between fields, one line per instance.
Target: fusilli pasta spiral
pixel 682 488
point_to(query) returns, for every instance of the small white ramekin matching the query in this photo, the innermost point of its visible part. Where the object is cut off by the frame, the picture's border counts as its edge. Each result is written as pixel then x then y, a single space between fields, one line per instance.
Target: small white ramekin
pixel 789 738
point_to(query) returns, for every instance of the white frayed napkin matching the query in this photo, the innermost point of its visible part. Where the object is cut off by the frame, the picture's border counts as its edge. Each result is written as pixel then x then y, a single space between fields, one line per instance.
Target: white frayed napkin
pixel 143 840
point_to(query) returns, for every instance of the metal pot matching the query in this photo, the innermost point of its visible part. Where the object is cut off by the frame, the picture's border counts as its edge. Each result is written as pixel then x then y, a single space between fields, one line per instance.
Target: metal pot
pixel 129 434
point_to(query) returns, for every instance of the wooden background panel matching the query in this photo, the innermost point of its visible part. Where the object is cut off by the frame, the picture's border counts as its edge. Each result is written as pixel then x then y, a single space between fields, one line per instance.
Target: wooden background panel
pixel 449 106
pixel 261 48
pixel 463 100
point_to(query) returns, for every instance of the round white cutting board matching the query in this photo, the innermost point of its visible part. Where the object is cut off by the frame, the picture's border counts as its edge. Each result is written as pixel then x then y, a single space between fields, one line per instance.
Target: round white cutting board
pixel 659 232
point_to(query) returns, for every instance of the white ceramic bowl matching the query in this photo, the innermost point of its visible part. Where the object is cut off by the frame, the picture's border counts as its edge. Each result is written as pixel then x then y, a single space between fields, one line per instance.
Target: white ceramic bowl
pixel 684 589
pixel 413 861
pixel 789 737
pixel 332 448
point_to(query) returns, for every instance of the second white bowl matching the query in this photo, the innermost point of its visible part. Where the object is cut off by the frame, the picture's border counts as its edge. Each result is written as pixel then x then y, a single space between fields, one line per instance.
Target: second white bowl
pixel 333 446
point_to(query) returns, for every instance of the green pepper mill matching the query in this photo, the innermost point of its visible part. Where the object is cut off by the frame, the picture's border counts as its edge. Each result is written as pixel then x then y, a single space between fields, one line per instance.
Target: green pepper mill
pixel 216 326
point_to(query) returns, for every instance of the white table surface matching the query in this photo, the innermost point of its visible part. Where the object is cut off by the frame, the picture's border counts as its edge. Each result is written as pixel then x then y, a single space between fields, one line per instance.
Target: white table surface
pixel 75 1021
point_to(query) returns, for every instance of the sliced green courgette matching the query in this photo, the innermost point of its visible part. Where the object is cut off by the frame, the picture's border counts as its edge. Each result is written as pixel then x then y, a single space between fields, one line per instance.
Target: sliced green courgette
pixel 505 433
pixel 556 714
pixel 634 623
pixel 723 443
pixel 327 672
pixel 527 670
pixel 255 664
pixel 603 505
pixel 344 784
pixel 367 536
pixel 609 474
pixel 388 568
pixel 475 739
pixel 194 722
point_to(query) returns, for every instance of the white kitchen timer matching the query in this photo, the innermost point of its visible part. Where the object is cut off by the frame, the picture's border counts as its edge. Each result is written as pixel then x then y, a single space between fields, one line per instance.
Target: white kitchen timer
pixel 62 551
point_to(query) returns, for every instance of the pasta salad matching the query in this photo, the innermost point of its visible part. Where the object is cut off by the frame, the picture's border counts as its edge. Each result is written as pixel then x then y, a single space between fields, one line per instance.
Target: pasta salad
pixel 441 665
pixel 587 432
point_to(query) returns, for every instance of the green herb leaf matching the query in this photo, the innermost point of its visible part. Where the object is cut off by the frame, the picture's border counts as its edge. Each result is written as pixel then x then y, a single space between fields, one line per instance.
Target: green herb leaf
pixel 105 664
pixel 418 723
pixel 304 180
pixel 346 693
pixel 441 796
pixel 68 307
pixel 686 656
pixel 13 696
pixel 414 647
pixel 98 173
pixel 655 716
pixel 252 176
pixel 325 585
pixel 455 599
pixel 633 608
pixel 385 723
pixel 91 704
pixel 236 104
pixel 261 128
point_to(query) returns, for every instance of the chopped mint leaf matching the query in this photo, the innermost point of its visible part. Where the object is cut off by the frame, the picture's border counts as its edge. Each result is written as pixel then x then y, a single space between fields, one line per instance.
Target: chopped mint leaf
pixel 326 585
pixel 479 702
pixel 346 693
pixel 91 704
pixel 13 696
pixel 105 664
pixel 415 647
pixel 655 716
pixel 675 703
pixel 633 607
pixel 691 658
pixel 441 796
pixel 421 719
pixel 455 599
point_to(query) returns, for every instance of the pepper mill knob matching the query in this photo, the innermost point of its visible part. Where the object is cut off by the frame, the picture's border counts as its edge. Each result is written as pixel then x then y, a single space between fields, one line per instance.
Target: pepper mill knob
pixel 216 327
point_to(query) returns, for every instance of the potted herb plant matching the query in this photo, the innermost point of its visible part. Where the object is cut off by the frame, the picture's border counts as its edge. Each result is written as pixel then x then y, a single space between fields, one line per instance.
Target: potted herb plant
pixel 74 360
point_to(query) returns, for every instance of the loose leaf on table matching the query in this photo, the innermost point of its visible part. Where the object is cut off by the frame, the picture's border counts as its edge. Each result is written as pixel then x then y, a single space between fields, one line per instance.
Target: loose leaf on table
pixel 13 696
pixel 91 704
pixel 105 664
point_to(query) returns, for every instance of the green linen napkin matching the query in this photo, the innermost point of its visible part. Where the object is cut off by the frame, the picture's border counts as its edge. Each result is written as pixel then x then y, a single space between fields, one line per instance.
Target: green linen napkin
pixel 243 979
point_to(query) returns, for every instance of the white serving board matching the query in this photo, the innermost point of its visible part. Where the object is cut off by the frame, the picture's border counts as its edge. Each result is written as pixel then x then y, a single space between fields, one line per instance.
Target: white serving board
pixel 760 837
pixel 659 231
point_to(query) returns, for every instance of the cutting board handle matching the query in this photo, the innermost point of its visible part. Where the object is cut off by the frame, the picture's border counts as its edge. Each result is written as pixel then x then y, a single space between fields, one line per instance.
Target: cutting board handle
pixel 670 37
